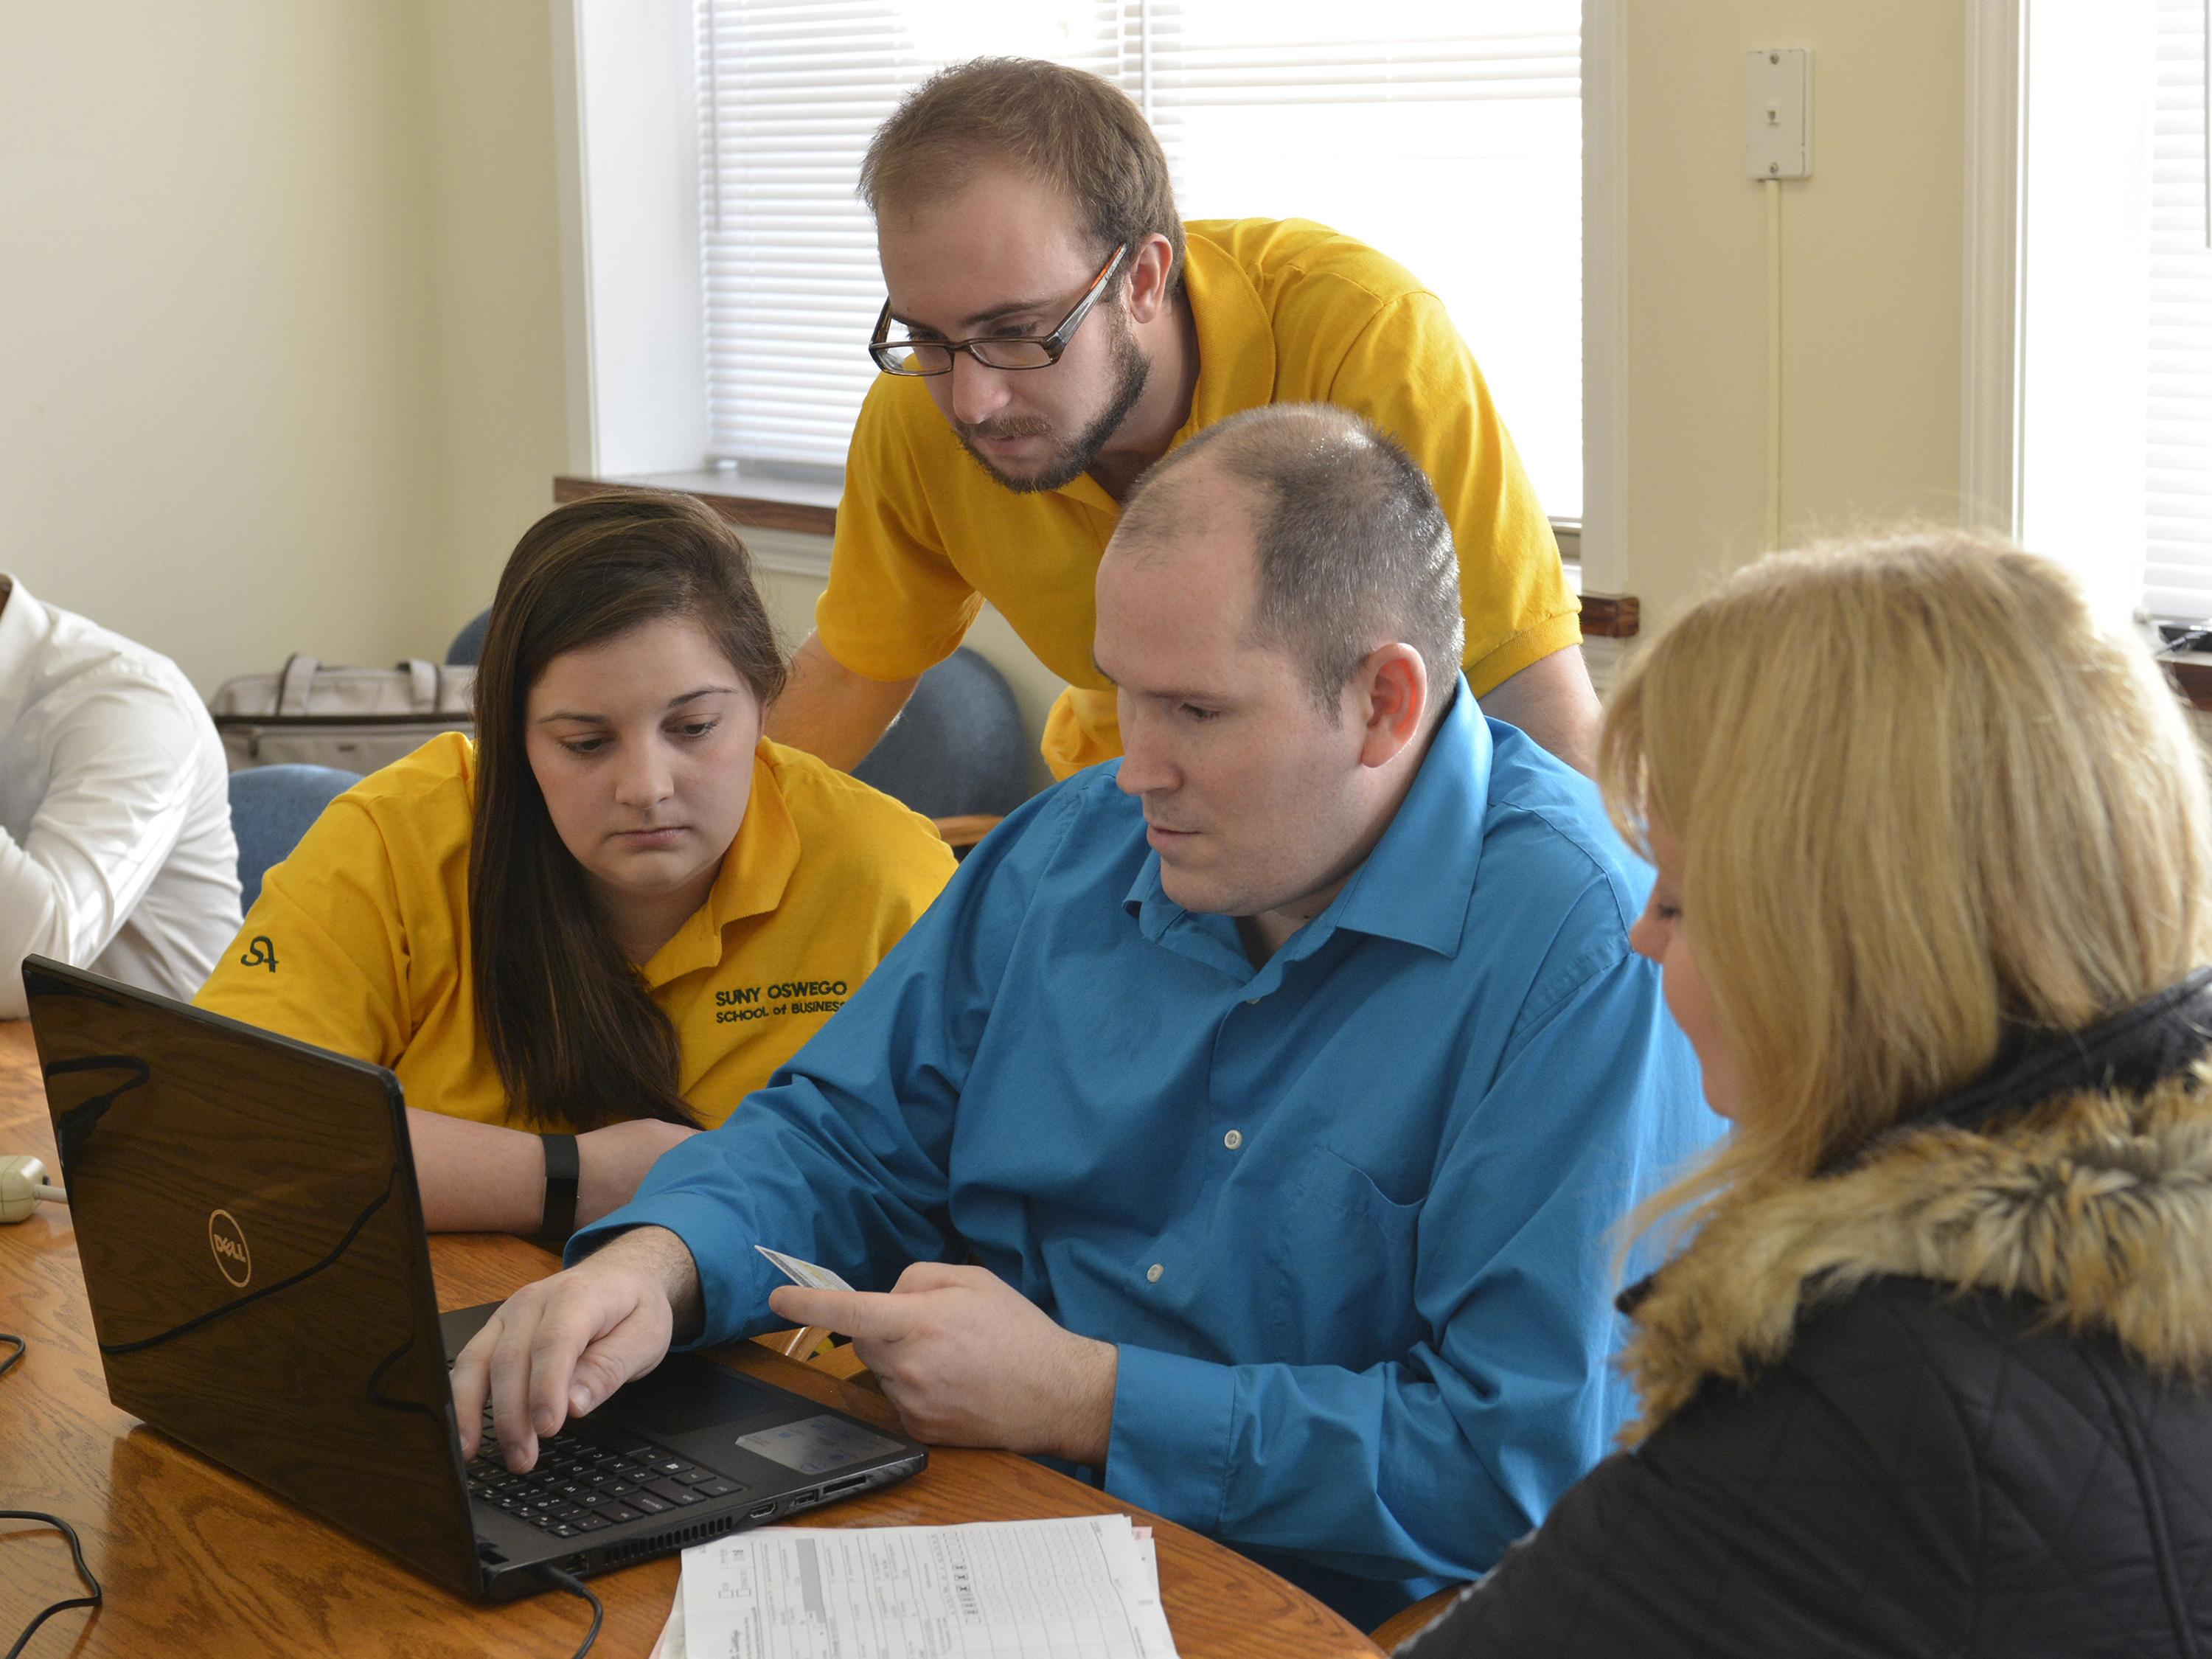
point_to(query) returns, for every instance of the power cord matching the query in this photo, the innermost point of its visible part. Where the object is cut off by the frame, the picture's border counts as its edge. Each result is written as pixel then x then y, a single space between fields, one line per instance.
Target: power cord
pixel 2183 636
pixel 575 1586
pixel 95 1601
pixel 98 1598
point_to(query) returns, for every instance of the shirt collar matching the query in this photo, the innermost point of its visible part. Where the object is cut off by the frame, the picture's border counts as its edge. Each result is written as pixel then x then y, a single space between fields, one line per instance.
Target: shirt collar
pixel 1235 337
pixel 1236 352
pixel 755 872
pixel 23 630
pixel 1417 883
pixel 2130 1052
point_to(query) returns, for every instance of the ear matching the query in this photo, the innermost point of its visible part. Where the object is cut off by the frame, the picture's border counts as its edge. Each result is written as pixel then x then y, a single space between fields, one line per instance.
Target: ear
pixel 1390 691
pixel 1149 263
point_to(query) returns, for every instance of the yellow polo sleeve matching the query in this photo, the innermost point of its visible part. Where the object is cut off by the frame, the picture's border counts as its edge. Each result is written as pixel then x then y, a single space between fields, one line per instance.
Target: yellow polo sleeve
pixel 895 604
pixel 322 955
pixel 1410 372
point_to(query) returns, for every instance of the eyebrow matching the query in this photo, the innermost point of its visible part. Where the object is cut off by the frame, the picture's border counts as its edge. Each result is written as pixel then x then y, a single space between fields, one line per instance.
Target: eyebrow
pixel 674 703
pixel 1169 694
pixel 979 320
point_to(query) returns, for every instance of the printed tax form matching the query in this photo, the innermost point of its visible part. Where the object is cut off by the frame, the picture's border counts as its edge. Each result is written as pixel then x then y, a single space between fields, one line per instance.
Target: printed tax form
pixel 1086 1587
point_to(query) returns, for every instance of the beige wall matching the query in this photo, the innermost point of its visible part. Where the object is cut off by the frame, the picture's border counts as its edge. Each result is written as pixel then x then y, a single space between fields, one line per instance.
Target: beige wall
pixel 1871 282
pixel 279 352
pixel 502 389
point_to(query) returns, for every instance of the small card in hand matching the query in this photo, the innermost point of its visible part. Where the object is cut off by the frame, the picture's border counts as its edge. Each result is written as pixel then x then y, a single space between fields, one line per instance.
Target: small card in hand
pixel 803 1273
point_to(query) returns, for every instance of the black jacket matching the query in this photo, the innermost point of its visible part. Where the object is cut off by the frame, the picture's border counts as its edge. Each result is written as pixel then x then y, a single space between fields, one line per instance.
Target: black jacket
pixel 1952 1399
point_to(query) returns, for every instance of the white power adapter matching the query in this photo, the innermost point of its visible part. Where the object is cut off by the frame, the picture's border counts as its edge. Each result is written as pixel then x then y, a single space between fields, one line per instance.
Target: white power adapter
pixel 24 1187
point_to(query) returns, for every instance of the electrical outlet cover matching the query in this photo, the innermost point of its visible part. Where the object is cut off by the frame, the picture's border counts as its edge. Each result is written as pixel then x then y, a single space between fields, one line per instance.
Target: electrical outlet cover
pixel 1777 112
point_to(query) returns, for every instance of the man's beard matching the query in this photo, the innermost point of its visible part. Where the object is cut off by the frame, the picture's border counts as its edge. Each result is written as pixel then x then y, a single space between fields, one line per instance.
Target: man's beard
pixel 1131 367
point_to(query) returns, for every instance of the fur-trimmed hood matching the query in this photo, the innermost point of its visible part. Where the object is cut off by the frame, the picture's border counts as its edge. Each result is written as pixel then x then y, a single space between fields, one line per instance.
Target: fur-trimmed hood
pixel 2078 1175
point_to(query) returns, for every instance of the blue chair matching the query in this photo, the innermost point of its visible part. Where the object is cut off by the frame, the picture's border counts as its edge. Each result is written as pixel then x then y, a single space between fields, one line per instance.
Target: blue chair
pixel 467 648
pixel 270 808
pixel 956 753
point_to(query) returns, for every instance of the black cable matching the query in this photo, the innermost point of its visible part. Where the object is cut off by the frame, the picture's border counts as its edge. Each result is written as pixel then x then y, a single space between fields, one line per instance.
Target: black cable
pixel 2190 636
pixel 559 1580
pixel 99 1597
pixel 95 1600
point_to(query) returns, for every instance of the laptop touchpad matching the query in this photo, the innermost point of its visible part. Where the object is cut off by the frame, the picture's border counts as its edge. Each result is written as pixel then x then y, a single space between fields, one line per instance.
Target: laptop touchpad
pixel 686 1393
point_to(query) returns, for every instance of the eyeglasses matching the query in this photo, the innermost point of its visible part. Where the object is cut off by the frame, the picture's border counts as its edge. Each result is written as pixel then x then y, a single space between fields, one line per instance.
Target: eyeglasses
pixel 993 351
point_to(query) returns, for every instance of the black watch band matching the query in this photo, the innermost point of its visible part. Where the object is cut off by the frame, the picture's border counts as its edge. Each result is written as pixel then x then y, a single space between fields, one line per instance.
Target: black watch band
pixel 562 1167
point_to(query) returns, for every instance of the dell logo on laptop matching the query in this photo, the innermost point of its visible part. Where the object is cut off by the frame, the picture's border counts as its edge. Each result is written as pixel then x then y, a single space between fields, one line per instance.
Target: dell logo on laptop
pixel 227 1240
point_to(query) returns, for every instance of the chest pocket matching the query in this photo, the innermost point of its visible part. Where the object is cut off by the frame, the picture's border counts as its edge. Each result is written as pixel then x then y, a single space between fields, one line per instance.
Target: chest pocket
pixel 1341 1271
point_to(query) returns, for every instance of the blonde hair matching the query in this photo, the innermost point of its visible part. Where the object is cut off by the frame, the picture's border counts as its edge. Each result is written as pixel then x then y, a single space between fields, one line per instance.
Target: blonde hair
pixel 1921 802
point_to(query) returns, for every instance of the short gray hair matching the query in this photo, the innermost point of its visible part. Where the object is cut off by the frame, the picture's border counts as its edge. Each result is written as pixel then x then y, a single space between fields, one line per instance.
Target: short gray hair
pixel 1352 550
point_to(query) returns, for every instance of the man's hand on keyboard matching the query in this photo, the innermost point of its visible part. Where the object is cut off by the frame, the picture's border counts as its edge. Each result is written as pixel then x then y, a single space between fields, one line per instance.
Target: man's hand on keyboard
pixel 559 1347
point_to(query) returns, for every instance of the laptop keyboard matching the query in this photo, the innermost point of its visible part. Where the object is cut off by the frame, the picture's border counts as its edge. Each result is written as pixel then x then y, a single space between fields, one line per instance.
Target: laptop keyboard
pixel 585 1485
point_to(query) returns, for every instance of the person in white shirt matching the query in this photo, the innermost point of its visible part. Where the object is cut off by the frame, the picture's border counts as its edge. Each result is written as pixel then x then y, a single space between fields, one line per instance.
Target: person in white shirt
pixel 116 851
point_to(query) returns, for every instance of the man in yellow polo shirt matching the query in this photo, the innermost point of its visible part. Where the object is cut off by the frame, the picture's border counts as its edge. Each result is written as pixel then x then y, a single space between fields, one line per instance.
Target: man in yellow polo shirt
pixel 1053 328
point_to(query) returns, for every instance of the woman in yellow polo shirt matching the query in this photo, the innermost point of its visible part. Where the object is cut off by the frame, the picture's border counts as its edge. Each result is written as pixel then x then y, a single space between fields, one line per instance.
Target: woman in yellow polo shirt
pixel 615 914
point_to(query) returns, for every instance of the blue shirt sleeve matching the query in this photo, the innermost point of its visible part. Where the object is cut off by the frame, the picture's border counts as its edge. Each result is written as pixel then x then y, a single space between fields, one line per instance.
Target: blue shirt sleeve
pixel 1431 1465
pixel 840 1160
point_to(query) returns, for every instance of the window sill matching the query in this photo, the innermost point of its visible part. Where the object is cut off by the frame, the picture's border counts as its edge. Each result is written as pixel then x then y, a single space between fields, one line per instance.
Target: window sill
pixel 2192 675
pixel 751 503
pixel 804 506
pixel 1611 616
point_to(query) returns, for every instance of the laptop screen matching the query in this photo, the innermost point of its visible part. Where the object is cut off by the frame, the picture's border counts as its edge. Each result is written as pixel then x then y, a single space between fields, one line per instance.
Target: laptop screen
pixel 252 1251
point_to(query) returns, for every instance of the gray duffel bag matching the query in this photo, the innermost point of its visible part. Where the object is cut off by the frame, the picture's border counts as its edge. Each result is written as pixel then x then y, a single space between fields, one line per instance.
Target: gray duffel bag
pixel 357 719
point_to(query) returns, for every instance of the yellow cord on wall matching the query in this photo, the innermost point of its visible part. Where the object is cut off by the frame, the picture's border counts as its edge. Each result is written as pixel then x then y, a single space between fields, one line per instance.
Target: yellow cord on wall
pixel 1773 188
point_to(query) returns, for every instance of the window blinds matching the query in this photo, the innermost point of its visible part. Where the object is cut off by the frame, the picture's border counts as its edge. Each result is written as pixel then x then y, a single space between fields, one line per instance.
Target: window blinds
pixel 2178 474
pixel 1448 135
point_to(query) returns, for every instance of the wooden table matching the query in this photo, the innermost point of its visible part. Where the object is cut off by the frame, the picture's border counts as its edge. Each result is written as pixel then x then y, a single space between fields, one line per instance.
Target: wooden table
pixel 195 1560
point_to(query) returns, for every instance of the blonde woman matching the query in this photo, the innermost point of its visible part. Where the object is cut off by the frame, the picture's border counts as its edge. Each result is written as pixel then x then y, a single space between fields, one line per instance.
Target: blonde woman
pixel 1929 1375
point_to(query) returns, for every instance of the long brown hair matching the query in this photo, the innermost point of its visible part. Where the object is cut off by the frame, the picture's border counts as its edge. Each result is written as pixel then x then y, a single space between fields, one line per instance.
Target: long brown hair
pixel 570 1024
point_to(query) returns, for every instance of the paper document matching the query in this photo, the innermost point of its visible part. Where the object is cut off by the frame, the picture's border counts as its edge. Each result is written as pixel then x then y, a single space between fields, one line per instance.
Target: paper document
pixel 672 1644
pixel 1087 1587
pixel 803 1273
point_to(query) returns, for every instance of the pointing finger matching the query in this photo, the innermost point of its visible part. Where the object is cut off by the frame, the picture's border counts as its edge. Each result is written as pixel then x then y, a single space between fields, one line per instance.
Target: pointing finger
pixel 471 1385
pixel 855 1314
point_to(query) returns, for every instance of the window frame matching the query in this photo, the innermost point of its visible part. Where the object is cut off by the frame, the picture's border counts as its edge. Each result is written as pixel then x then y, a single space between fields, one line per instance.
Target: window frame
pixel 625 109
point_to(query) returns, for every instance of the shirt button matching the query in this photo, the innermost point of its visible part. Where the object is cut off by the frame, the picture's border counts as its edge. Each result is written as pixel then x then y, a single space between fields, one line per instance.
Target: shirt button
pixel 1152 1274
pixel 1233 1139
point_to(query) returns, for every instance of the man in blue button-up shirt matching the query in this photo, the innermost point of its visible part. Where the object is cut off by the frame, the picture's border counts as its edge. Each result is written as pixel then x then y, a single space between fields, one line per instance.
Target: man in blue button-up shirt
pixel 1246 1122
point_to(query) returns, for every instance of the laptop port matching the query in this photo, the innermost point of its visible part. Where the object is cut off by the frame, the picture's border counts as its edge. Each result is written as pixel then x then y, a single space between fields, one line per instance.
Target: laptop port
pixel 761 1511
pixel 838 1488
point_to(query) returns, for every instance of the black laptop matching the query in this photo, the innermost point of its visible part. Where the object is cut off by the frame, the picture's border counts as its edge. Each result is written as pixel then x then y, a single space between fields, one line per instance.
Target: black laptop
pixel 251 1239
